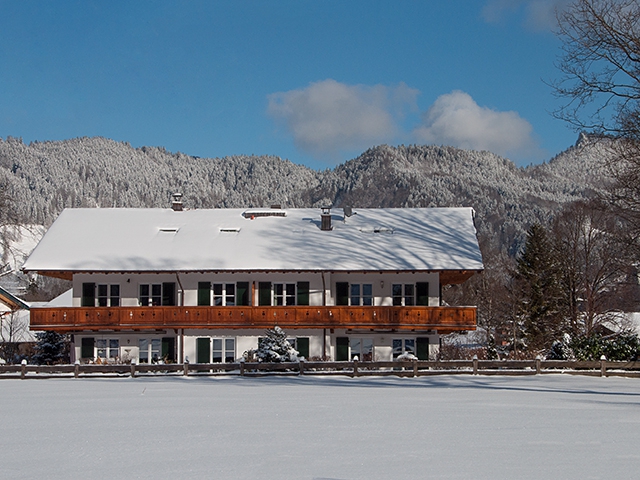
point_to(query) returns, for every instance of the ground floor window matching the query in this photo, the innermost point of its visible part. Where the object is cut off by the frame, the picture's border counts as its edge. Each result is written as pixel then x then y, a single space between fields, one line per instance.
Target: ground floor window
pixel 403 345
pixel 215 350
pixel 107 348
pixel 150 350
pixel 301 344
pixel 361 348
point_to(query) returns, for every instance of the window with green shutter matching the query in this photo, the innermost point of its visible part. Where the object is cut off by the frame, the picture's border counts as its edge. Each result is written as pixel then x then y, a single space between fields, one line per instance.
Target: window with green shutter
pixel 89 296
pixel 342 349
pixel 203 350
pixel 422 348
pixel 264 294
pixel 303 293
pixel 86 350
pixel 242 293
pixel 342 294
pixel 422 294
pixel 204 293
pixel 302 345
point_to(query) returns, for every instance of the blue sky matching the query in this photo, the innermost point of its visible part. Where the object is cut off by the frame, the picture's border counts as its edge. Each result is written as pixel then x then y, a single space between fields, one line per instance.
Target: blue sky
pixel 316 82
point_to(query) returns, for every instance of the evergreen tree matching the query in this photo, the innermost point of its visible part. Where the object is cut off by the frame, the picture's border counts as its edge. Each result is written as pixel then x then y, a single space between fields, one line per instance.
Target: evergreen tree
pixel 50 348
pixel 275 347
pixel 537 277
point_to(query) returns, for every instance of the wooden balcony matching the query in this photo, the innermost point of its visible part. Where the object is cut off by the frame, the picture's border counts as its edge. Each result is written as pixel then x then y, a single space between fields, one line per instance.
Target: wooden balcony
pixel 73 319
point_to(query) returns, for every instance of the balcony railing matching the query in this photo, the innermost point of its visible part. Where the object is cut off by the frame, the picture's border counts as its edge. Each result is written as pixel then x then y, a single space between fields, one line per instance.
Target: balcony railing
pixel 69 319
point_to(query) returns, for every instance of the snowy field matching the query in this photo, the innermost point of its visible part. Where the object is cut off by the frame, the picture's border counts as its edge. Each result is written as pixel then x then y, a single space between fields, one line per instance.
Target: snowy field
pixel 454 427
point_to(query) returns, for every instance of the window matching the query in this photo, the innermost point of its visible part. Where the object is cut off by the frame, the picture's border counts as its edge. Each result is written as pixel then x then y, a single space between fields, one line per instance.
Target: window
pixel 361 294
pixel 361 348
pixel 215 350
pixel 301 344
pixel 403 295
pixel 107 348
pixel 150 350
pixel 402 345
pixel 108 295
pixel 284 294
pixel 224 294
pixel 157 294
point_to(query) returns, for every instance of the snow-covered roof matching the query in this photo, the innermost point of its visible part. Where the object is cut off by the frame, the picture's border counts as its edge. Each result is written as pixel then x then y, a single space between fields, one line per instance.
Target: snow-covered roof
pixel 153 240
pixel 11 301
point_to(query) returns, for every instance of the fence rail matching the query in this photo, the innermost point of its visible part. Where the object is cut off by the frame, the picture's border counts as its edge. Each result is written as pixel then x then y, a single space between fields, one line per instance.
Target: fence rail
pixel 354 369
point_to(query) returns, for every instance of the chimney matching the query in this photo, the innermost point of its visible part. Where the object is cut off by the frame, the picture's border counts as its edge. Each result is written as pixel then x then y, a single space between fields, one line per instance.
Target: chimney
pixel 325 217
pixel 176 204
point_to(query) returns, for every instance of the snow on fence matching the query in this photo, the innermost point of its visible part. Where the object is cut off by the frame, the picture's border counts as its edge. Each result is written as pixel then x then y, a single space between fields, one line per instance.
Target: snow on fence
pixel 354 369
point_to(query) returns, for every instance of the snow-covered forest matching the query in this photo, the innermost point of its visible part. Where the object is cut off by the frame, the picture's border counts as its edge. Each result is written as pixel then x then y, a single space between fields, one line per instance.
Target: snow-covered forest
pixel 43 178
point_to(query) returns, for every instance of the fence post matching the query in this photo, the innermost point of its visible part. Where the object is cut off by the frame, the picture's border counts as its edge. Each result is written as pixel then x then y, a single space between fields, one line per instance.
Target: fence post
pixel 603 366
pixel 76 369
pixel 133 369
pixel 23 369
pixel 538 366
pixel 475 364
pixel 242 367
pixel 185 367
pixel 301 366
pixel 355 367
pixel 415 367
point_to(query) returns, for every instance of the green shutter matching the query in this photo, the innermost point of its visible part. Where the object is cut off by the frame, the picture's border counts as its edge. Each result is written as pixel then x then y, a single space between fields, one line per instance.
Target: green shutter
pixel 169 349
pixel 342 293
pixel 89 296
pixel 303 294
pixel 422 294
pixel 242 293
pixel 203 350
pixel 342 349
pixel 303 346
pixel 264 293
pixel 422 348
pixel 169 293
pixel 204 293
pixel 86 351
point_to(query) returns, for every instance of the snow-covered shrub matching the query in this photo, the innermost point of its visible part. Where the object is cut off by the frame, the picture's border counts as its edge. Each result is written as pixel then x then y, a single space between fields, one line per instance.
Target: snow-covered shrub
pixel 561 349
pixel 274 347
pixel 406 356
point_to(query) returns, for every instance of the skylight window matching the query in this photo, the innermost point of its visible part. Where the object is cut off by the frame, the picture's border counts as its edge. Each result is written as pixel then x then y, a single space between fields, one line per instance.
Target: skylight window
pixel 169 230
pixel 230 230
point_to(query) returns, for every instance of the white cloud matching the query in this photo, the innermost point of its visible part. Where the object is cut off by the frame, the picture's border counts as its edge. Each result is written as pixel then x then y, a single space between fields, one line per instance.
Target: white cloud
pixel 538 14
pixel 328 117
pixel 456 119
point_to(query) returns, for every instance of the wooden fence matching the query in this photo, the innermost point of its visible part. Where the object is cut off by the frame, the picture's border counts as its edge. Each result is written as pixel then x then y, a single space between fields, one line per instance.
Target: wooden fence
pixel 355 368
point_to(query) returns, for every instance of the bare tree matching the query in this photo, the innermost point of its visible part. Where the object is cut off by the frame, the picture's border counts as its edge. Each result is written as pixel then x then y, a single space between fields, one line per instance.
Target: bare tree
pixel 600 66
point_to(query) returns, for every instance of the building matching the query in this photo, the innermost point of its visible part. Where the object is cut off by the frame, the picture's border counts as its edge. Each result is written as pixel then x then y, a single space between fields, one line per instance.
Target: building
pixel 203 285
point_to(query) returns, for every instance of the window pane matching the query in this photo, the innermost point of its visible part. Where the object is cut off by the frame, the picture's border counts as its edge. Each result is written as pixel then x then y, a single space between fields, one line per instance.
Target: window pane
pixel 156 290
pixel 396 290
pixel 230 297
pixel 230 350
pixel 355 294
pixel 114 290
pixel 102 290
pixel 143 343
pixel 355 348
pixel 397 347
pixel 410 346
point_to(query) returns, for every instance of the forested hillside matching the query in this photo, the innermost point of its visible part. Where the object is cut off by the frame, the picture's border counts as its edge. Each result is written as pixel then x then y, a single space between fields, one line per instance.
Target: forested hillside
pixel 43 178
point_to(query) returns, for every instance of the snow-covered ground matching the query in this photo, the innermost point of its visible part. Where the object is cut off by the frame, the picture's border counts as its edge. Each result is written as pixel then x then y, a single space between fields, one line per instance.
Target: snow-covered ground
pixel 461 427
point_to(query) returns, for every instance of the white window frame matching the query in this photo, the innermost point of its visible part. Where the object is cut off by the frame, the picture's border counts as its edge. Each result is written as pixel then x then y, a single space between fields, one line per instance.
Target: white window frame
pixel 357 297
pixel 107 295
pixel 363 348
pixel 406 297
pixel 106 349
pixel 284 294
pixel 224 298
pixel 407 344
pixel 152 351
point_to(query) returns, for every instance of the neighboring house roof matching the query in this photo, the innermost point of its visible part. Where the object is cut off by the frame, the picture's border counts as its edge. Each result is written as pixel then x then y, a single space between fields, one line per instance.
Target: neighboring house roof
pixel 11 301
pixel 163 240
